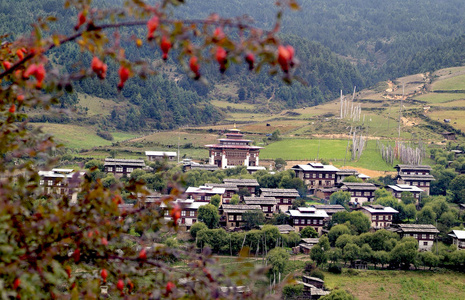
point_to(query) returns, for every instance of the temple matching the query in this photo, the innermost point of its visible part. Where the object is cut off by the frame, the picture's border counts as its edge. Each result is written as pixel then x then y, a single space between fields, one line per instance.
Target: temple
pixel 233 151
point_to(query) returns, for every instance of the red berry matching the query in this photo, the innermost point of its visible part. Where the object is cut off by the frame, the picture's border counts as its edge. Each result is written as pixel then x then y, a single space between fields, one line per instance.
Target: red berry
pixel 104 275
pixel 104 241
pixel 165 46
pixel 80 20
pixel 170 287
pixel 194 66
pixel 221 58
pixel 284 57
pixel 143 254
pixel 6 65
pixel 20 53
pixel 12 108
pixel 120 285
pixel 123 76
pixel 16 283
pixel 77 255
pixel 99 67
pixel 38 71
pixel 218 35
pixel 176 213
pixel 20 98
pixel 250 59
pixel 152 25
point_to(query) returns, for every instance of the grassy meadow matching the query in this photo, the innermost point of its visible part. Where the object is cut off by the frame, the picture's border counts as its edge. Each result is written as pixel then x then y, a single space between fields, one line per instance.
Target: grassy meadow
pixel 400 284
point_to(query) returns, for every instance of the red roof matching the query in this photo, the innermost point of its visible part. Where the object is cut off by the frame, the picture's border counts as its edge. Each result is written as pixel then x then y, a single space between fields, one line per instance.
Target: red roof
pixel 233 146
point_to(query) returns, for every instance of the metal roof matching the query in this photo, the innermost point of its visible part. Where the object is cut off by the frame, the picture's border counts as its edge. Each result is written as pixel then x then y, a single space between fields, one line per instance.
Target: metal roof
pixel 242 182
pixel 160 153
pixel 316 167
pixel 365 186
pixel 405 188
pixel 317 213
pixel 459 234
pixel 413 167
pixel 205 190
pixel 414 228
pixel 379 209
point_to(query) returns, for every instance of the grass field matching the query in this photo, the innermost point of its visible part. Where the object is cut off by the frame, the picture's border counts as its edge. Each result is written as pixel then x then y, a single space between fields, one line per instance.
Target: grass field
pixel 334 150
pixel 95 105
pixel 456 117
pixel 174 137
pixel 80 137
pixel 452 83
pixel 435 98
pixel 225 104
pixel 400 284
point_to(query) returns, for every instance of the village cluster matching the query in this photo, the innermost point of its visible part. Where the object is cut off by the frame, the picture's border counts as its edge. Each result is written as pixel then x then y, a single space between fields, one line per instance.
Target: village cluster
pixel 321 180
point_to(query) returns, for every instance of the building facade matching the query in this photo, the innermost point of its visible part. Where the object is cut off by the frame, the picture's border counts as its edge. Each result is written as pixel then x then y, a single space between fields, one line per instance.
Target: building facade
pixel 458 238
pixel 204 193
pixel 398 189
pixel 425 234
pixel 233 214
pixel 380 216
pixel 268 204
pixel 61 182
pixel 316 175
pixel 284 197
pixel 415 175
pixel 360 192
pixel 233 151
pixel 308 216
pixel 122 167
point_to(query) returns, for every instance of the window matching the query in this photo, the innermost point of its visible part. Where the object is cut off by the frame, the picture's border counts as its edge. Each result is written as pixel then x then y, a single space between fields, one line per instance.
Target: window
pixel 110 169
pixel 314 175
pixel 333 175
pixel 119 169
pixel 415 235
pixel 129 170
pixel 41 182
pixel 192 213
pixel 296 221
pixel 183 213
pixel 381 218
pixel 366 193
pixel 264 208
pixel 423 236
pixel 50 182
pixel 167 213
pixel 307 175
pixel 239 218
pixel 289 201
pixel 373 217
pixel 358 193
pixel 231 217
pixel 425 243
pixel 321 222
pixel 320 175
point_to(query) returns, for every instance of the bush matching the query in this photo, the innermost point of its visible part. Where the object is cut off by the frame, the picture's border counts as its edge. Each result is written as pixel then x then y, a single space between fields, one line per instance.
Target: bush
pixel 318 274
pixel 195 228
pixel 335 269
pixel 292 291
pixel 105 135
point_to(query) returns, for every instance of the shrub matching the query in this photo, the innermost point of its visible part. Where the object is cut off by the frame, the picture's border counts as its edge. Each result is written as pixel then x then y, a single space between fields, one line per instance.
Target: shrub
pixel 335 269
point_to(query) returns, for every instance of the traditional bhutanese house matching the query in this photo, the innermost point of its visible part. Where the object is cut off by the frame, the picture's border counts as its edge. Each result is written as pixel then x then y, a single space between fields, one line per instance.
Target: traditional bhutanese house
pixel 229 190
pixel 344 173
pixel 424 233
pixel 233 214
pixel 456 152
pixel 285 197
pixel 316 175
pixel 160 155
pixel 250 184
pixel 306 244
pixel 363 177
pixel 61 182
pixel 360 192
pixel 313 287
pixel 308 216
pixel 196 166
pixel 330 209
pixel 253 169
pixel 233 151
pixel 189 211
pixel 204 193
pixel 268 204
pixel 325 193
pixel 416 175
pixel 449 135
pixel 122 167
pixel 398 189
pixel 458 238
pixel 379 215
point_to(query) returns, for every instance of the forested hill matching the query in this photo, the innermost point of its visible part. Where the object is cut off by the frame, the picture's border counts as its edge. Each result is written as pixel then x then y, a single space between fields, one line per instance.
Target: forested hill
pixel 161 103
pixel 378 35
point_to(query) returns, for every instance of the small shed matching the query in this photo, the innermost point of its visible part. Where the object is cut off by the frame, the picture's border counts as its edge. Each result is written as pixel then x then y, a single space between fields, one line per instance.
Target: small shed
pixel 449 135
